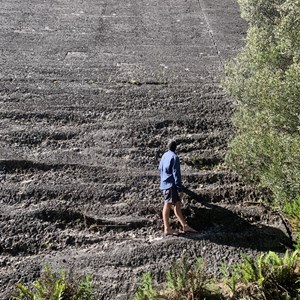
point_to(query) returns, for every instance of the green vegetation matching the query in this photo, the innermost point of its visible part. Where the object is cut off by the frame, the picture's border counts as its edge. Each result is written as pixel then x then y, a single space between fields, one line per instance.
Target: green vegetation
pixel 185 282
pixel 292 209
pixel 267 277
pixel 51 286
pixel 145 290
pixel 264 81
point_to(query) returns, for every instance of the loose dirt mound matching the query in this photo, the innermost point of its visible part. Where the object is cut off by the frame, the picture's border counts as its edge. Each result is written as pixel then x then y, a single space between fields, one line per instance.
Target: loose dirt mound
pixel 90 92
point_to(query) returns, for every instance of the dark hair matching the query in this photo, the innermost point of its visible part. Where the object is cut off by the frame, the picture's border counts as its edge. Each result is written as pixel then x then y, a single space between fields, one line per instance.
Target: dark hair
pixel 172 145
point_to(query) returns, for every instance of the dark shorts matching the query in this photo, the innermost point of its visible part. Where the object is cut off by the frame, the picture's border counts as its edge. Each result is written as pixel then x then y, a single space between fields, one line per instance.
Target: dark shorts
pixel 171 195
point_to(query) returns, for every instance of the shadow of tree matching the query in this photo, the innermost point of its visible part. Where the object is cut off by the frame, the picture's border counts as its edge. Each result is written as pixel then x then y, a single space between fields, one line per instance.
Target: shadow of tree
pixel 223 226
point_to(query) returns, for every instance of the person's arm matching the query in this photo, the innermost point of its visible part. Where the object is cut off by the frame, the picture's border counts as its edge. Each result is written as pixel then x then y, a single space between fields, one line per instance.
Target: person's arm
pixel 177 174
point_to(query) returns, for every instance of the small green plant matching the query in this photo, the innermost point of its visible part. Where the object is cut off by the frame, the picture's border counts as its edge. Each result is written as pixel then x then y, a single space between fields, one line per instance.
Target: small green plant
pixel 189 282
pixel 51 286
pixel 134 82
pixel 271 276
pixel 145 290
pixel 183 282
pixel 177 276
pixel 297 242
pixel 230 280
pixel 292 209
pixel 252 270
pixel 48 246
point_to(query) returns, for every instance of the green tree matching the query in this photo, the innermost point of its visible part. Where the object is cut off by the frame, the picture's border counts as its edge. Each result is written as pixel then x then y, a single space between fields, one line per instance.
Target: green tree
pixel 264 80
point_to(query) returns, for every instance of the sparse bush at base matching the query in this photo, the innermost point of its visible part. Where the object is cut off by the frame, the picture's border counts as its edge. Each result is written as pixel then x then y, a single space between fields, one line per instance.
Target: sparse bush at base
pixel 183 282
pixel 267 277
pixel 51 286
pixel 145 290
pixel 189 282
pixel 292 209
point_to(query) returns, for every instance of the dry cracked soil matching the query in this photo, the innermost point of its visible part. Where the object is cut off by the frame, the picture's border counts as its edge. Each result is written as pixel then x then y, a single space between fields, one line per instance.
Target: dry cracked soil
pixel 90 92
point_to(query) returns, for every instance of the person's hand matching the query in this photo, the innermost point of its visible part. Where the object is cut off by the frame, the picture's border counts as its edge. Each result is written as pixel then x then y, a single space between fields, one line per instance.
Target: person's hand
pixel 180 195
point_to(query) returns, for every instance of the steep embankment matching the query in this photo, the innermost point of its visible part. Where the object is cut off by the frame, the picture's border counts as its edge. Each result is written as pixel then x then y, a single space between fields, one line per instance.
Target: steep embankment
pixel 90 92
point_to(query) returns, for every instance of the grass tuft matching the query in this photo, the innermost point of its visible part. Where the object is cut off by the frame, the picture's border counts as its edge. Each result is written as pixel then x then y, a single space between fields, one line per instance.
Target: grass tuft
pixel 51 286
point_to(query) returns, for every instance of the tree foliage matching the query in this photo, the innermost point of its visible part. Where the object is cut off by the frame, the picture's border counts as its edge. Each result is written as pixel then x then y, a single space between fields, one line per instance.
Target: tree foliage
pixel 264 81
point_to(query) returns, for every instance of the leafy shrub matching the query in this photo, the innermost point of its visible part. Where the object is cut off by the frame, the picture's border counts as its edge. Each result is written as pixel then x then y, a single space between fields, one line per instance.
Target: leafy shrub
pixel 292 209
pixel 266 277
pixel 50 286
pixel 145 290
pixel 269 276
pixel 264 81
pixel 183 281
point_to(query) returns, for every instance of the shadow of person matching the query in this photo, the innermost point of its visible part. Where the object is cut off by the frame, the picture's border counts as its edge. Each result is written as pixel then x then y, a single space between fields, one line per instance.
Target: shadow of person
pixel 223 226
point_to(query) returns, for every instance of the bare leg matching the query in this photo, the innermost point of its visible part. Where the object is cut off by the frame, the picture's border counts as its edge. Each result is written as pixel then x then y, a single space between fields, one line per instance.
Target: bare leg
pixel 166 216
pixel 178 214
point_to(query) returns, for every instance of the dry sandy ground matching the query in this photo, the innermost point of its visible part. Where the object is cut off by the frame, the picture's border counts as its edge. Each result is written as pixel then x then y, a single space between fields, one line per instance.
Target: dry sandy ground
pixel 90 92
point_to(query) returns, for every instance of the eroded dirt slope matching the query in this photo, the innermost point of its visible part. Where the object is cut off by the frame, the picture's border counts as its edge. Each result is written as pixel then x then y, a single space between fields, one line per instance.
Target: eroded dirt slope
pixel 90 92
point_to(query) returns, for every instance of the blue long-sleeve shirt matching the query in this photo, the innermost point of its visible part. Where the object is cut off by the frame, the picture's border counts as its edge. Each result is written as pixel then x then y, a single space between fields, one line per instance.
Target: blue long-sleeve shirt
pixel 170 174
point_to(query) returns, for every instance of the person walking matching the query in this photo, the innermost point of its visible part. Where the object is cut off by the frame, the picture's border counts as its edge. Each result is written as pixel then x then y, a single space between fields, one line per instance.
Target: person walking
pixel 171 186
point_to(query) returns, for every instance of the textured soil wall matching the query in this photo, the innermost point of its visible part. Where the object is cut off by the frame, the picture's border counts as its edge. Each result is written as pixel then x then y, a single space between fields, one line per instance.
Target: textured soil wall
pixel 90 92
